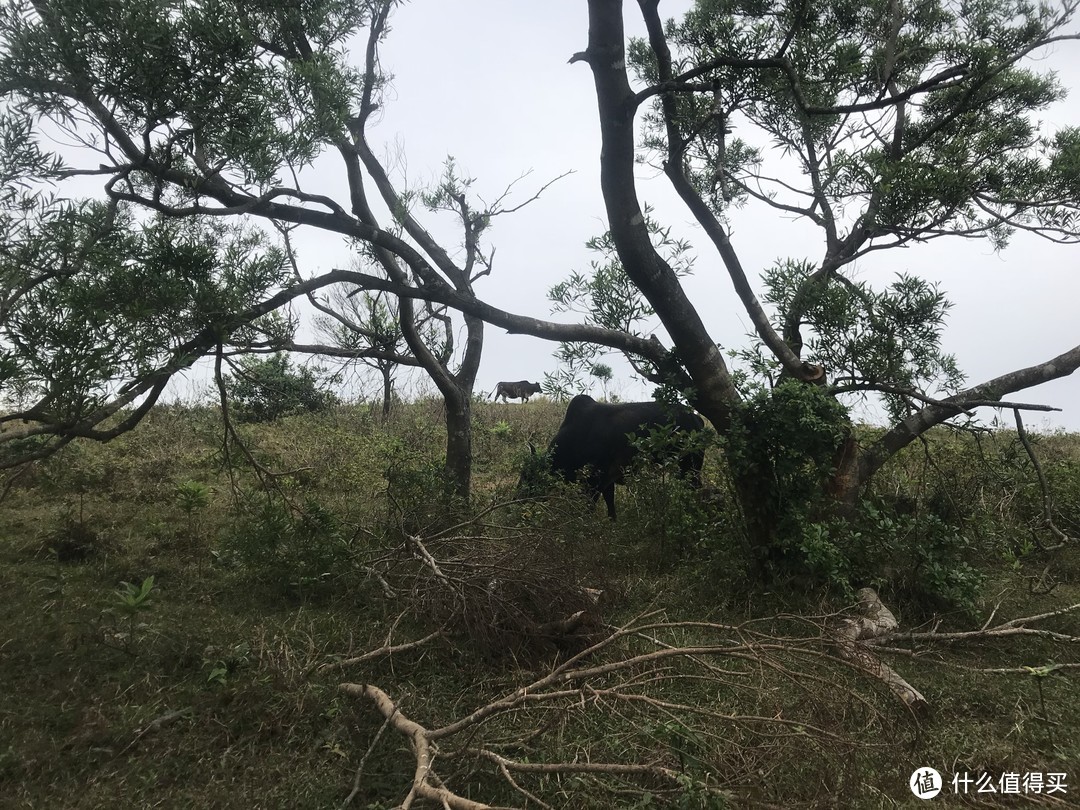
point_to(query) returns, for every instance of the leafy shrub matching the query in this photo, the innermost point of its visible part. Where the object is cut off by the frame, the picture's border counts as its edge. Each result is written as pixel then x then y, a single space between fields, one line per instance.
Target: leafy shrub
pixel 295 551
pixel 501 429
pixel 266 389
pixel 419 494
pixel 781 450
pixel 920 558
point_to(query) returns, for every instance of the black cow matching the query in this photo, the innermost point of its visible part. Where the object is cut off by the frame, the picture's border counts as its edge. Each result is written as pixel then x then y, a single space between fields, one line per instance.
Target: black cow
pixel 598 436
pixel 516 390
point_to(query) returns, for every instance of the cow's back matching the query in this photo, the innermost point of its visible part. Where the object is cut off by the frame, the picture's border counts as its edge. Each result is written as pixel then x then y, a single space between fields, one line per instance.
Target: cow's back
pixel 598 434
pixel 522 389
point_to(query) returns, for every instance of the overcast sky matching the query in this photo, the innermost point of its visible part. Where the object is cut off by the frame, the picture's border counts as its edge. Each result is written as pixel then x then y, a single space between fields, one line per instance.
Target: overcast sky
pixel 487 81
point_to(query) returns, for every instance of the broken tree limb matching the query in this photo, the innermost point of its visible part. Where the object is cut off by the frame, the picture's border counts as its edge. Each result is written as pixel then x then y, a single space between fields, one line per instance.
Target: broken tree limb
pixel 631 684
pixel 876 621
pixel 877 629
pixel 1013 627
pixel 425 784
pixel 387 649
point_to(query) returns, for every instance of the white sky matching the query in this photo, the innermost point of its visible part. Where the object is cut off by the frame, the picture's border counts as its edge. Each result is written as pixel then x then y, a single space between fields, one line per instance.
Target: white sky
pixel 487 81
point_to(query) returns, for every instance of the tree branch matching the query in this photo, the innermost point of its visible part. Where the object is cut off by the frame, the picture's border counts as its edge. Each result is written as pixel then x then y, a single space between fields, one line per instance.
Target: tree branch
pixel 902 434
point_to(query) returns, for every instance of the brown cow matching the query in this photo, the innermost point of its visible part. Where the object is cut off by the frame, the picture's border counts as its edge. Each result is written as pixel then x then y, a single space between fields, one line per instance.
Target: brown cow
pixel 517 390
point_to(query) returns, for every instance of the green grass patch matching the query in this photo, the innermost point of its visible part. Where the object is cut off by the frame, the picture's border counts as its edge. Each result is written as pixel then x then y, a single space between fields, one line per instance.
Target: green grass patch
pixel 202 680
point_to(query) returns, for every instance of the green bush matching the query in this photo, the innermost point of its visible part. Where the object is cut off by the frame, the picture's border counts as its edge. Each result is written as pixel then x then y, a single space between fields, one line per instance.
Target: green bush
pixel 300 552
pixel 920 559
pixel 266 389
pixel 781 451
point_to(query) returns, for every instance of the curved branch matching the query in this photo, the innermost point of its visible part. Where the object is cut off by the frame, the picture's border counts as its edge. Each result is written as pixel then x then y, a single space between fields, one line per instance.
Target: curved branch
pixel 674 169
pixel 903 433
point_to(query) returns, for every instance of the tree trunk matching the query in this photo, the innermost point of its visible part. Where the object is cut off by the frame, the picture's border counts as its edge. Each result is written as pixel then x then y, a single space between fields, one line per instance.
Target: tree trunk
pixel 845 484
pixel 388 390
pixel 697 351
pixel 459 444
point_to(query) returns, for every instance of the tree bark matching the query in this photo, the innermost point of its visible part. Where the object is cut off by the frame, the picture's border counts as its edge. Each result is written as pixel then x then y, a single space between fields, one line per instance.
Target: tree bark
pixel 388 389
pixel 715 393
pixel 459 443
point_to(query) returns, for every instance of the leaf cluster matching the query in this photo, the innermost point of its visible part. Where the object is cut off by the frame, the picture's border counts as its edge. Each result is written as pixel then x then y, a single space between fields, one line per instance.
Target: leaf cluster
pixel 267 389
pixel 93 297
pixel 867 337
pixel 251 84
pixel 607 297
pixel 828 86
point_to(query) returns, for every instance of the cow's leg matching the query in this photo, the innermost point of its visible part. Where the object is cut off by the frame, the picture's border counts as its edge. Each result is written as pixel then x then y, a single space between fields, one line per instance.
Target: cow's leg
pixel 690 468
pixel 608 492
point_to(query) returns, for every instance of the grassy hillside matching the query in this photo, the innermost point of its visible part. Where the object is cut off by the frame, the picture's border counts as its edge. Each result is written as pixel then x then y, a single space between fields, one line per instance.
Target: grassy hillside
pixel 216 683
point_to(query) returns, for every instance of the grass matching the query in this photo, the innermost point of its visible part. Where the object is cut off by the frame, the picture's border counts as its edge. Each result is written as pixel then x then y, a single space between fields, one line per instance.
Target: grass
pixel 250 598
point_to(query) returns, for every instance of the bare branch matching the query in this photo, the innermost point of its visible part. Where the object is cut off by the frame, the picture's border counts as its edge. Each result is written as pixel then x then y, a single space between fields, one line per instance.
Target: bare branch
pixel 385 650
pixel 991 391
pixel 425 782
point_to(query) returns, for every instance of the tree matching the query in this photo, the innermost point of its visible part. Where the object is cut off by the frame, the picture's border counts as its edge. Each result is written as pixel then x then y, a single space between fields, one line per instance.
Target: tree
pixel 901 123
pixel 366 328
pixel 905 123
pixel 196 113
pixel 268 388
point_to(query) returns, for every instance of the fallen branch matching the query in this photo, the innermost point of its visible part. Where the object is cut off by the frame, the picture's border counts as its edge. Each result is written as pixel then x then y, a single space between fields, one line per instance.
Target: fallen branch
pixel 876 620
pixel 615 768
pixel 631 686
pixel 425 783
pixel 386 649
pixel 363 762
pixel 157 724
pixel 1013 627
pixel 877 629
pixel 421 553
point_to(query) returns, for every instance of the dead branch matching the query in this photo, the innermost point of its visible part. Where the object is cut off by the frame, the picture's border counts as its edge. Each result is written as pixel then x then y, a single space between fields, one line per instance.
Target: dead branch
pixel 876 620
pixel 1047 500
pixel 420 551
pixel 615 768
pixel 508 594
pixel 363 761
pixel 386 649
pixel 633 677
pixel 1013 627
pixel 157 724
pixel 425 784
pixel 877 629
pixel 921 655
pixel 628 687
